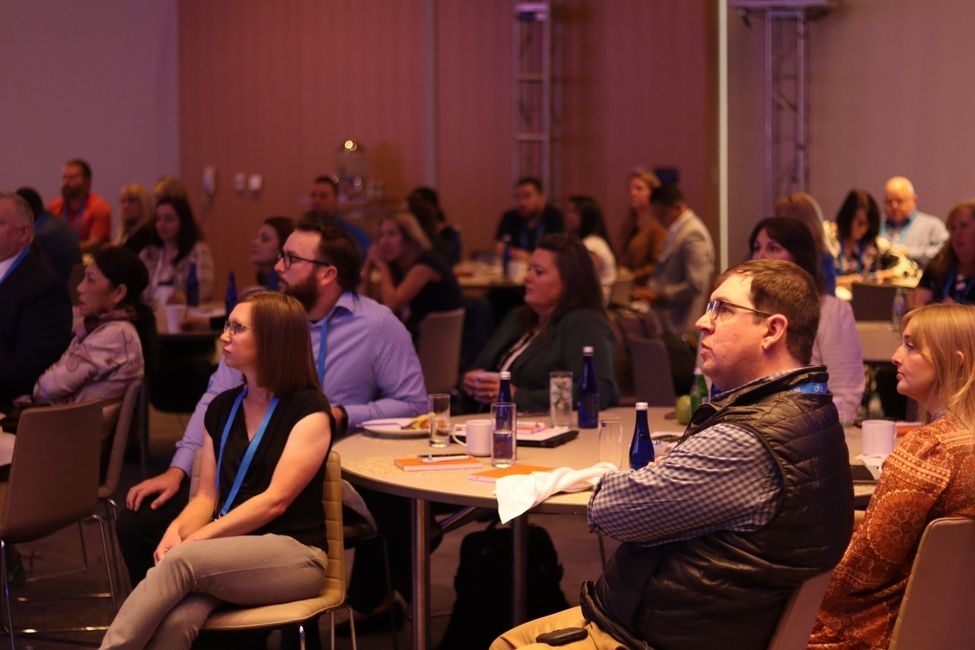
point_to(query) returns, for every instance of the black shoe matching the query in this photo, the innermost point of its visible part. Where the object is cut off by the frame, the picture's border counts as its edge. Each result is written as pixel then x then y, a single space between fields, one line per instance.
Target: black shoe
pixel 388 620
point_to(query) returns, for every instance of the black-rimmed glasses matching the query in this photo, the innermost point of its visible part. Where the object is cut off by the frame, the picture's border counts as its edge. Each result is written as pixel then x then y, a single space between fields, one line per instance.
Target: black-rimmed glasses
pixel 718 307
pixel 291 258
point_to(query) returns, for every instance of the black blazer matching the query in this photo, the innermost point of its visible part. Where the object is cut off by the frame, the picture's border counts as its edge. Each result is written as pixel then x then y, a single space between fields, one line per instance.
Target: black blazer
pixel 559 348
pixel 35 325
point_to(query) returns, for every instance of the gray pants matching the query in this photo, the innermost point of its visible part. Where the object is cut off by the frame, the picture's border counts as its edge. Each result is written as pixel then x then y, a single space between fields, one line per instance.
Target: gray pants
pixel 170 606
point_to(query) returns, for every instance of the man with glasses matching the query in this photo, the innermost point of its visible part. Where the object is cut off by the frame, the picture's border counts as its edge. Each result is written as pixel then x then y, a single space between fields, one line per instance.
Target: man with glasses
pixel 755 499
pixel 918 235
pixel 364 356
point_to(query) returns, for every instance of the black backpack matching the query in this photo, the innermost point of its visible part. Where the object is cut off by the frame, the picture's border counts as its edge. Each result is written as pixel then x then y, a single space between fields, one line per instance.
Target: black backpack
pixel 482 609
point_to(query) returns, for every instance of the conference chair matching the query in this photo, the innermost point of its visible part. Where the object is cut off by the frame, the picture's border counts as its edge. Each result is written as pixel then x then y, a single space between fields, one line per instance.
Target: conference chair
pixel 438 347
pixel 936 606
pixel 303 612
pixel 53 482
pixel 796 623
pixel 652 377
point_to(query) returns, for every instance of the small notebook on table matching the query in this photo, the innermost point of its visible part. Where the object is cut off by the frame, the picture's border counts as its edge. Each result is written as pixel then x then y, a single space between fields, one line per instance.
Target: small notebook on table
pixel 492 475
pixel 418 464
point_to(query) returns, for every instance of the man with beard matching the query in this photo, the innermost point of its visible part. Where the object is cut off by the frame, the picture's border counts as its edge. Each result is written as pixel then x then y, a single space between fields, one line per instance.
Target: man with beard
pixel 86 212
pixel 367 364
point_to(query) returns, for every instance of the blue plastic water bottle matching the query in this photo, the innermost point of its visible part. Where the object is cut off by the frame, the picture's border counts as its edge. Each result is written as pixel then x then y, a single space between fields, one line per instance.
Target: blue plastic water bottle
pixel 192 286
pixel 230 298
pixel 641 449
pixel 504 390
pixel 588 392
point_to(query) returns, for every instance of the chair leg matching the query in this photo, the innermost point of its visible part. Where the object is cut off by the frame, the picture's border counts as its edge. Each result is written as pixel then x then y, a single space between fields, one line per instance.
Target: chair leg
pixel 109 561
pixel 6 593
pixel 351 629
pixel 331 617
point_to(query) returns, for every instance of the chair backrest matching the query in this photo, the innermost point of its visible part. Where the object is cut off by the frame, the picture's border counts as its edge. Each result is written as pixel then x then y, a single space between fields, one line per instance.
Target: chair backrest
pixel 936 606
pixel 652 381
pixel 438 347
pixel 332 501
pixel 126 417
pixel 54 472
pixel 792 632
pixel 872 301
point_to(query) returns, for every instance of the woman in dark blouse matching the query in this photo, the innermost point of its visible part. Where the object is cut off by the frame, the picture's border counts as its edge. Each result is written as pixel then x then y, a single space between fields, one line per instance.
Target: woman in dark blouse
pixel 413 280
pixel 563 313
pixel 254 534
pixel 950 276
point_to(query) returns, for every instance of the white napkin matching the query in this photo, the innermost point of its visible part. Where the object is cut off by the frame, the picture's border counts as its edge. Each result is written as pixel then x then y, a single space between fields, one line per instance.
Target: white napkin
pixel 874 463
pixel 520 493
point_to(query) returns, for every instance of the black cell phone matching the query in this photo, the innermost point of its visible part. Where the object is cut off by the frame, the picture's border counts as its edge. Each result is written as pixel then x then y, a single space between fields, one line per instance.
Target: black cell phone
pixel 861 475
pixel 563 636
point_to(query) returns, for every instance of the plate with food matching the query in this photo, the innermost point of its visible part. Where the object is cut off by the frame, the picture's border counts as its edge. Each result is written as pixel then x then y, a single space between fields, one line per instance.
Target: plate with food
pixel 418 427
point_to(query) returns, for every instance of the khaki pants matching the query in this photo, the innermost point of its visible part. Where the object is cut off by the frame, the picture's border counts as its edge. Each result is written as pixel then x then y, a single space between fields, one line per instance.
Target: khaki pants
pixel 170 606
pixel 524 635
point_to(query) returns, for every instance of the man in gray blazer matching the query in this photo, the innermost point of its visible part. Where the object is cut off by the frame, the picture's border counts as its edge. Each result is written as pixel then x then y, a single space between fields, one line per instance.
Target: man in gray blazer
pixel 679 287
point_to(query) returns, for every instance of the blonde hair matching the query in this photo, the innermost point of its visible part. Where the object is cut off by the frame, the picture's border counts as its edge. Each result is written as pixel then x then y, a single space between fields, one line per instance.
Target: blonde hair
pixel 411 230
pixel 169 187
pixel 649 178
pixel 141 194
pixel 941 331
pixel 803 207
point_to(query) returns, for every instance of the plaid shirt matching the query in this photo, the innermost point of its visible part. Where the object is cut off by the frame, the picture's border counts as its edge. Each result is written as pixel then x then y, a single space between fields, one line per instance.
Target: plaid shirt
pixel 721 478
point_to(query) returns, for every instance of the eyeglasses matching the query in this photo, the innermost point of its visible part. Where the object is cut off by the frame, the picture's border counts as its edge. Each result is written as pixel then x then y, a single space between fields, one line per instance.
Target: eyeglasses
pixel 291 258
pixel 234 327
pixel 718 307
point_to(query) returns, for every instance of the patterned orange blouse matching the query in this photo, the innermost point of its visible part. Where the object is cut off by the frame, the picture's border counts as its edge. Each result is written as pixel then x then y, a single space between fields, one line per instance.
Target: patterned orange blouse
pixel 931 474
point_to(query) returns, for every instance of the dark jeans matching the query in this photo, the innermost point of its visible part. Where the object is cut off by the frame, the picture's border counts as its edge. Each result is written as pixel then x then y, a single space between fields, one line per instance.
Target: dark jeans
pixel 139 531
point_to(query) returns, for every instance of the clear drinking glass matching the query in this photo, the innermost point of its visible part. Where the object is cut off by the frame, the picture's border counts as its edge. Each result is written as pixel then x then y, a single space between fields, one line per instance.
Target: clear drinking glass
pixel 611 445
pixel 560 397
pixel 503 442
pixel 440 430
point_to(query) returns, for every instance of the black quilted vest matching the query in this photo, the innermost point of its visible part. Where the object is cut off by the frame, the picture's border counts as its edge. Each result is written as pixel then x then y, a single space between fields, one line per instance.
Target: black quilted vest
pixel 727 590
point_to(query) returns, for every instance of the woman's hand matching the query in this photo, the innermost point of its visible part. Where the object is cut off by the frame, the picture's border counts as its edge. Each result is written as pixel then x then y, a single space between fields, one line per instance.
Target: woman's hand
pixel 170 540
pixel 484 386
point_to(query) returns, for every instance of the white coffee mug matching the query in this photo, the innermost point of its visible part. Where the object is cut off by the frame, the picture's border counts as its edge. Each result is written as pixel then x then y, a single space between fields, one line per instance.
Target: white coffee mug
pixel 478 434
pixel 878 437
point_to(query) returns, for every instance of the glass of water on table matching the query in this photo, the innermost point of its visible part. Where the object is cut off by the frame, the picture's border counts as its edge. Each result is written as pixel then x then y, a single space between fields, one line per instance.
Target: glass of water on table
pixel 439 412
pixel 503 444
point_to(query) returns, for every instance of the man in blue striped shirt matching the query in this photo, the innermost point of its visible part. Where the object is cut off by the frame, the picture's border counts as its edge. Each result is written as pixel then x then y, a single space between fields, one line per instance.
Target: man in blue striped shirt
pixel 364 355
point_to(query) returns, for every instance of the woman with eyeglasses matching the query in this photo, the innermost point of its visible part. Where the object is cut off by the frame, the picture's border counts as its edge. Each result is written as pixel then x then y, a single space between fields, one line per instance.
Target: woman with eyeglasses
pixel 254 534
pixel 837 344
pixel 929 475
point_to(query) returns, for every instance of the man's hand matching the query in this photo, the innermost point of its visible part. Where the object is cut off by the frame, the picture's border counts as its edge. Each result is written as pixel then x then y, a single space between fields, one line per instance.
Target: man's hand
pixel 165 485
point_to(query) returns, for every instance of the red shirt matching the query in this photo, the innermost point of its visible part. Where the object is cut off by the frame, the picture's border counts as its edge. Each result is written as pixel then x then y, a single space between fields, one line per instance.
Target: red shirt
pixel 94 221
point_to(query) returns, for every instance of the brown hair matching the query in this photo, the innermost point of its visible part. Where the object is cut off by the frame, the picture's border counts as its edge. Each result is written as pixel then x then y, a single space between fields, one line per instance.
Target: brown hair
pixel 169 187
pixel 284 354
pixel 337 247
pixel 803 207
pixel 941 264
pixel 780 287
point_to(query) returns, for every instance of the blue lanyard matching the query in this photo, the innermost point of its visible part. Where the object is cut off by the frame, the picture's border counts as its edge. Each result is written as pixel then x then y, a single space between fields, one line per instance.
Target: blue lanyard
pixel 949 288
pixel 17 260
pixel 248 455
pixel 902 233
pixel 322 349
pixel 812 388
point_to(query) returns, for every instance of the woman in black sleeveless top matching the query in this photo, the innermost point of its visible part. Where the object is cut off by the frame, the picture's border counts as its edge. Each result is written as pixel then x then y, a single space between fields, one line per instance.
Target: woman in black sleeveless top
pixel 254 534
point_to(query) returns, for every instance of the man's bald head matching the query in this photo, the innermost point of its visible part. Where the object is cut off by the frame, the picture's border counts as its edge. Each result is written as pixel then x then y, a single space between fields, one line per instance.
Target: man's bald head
pixel 900 201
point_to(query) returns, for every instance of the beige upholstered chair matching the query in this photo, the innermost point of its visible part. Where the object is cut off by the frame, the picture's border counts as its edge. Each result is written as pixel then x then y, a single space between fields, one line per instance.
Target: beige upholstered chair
pixel 438 347
pixel 302 611
pixel 792 632
pixel 941 589
pixel 53 479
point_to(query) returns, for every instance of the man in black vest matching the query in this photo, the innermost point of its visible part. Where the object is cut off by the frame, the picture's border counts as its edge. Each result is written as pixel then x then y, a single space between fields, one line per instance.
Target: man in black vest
pixel 35 309
pixel 754 500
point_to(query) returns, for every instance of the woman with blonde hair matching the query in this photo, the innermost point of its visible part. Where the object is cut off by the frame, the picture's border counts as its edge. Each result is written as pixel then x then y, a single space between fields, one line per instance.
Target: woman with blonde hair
pixel 930 474
pixel 642 237
pixel 136 212
pixel 805 208
pixel 413 280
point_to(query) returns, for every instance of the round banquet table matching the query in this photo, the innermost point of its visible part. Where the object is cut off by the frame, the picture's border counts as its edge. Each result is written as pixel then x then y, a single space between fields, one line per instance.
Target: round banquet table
pixel 367 461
